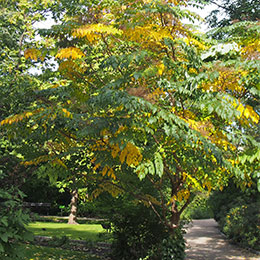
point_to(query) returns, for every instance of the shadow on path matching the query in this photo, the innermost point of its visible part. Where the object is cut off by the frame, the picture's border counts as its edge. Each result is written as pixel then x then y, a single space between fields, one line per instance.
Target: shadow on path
pixel 205 242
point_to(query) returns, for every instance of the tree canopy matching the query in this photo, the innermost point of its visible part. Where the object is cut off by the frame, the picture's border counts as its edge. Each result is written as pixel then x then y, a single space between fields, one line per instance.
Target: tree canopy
pixel 138 97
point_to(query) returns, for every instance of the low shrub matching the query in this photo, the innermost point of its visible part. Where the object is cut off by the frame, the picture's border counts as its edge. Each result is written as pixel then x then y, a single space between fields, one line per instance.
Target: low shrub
pixel 12 225
pixel 242 225
pixel 138 234
pixel 238 214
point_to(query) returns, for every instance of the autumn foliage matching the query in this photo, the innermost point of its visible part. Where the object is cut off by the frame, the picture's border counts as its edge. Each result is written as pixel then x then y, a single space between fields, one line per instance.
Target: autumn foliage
pixel 141 93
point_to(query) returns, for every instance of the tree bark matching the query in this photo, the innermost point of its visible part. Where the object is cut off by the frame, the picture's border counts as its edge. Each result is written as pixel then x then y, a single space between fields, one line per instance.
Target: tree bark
pixel 175 217
pixel 73 208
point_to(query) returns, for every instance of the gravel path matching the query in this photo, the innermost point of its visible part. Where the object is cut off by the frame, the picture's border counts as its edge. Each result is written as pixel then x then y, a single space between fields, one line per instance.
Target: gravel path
pixel 205 242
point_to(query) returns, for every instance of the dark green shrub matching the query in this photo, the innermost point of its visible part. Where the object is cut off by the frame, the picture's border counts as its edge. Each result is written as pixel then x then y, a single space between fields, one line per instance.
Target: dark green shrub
pixel 135 230
pixel 172 248
pixel 138 234
pixel 242 225
pixel 12 224
pixel 238 214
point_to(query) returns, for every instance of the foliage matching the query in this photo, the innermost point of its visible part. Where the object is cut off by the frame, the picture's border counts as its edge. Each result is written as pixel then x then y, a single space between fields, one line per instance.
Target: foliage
pixel 199 208
pixel 137 233
pixel 12 221
pixel 242 225
pixel 17 88
pixel 238 214
pixel 140 99
pixel 234 10
pixel 174 247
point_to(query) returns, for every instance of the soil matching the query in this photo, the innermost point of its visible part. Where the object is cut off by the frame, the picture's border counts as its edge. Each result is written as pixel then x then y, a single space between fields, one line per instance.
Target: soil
pixel 205 242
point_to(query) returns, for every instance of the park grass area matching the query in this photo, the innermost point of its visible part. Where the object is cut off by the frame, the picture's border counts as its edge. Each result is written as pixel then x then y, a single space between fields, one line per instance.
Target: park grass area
pixel 87 232
pixel 49 253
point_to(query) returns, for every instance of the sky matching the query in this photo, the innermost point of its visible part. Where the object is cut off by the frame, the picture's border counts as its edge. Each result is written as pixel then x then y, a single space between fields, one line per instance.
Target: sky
pixel 203 26
pixel 202 12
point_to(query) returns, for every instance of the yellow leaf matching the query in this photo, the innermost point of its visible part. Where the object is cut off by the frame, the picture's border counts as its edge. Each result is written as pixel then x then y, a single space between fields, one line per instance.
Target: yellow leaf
pixel 66 113
pixel 123 155
pixel 70 53
pixel 252 114
pixel 19 117
pixel 115 150
pixel 90 31
pixel 131 155
pixel 240 108
pixel 32 54
pixel 104 171
pixel 160 68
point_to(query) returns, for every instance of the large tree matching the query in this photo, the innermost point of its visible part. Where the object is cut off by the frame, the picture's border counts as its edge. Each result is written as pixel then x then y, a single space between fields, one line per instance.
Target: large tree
pixel 142 95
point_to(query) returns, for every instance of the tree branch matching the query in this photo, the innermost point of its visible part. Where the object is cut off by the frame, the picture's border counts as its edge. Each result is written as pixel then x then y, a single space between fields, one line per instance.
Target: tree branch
pixel 218 5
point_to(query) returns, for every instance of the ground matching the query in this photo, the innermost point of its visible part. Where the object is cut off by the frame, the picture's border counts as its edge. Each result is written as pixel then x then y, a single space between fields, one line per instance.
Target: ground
pixel 205 242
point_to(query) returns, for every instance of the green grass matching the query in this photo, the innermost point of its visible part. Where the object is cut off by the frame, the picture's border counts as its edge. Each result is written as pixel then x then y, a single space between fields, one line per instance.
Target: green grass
pixel 88 232
pixel 48 253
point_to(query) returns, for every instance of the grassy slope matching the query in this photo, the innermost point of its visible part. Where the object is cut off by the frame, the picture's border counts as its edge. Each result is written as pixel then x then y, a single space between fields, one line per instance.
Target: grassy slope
pixel 87 232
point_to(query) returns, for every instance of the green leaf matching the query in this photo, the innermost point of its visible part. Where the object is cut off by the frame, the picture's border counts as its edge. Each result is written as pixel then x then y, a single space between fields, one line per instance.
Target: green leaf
pixel 4 237
pixel 1 248
pixel 4 221
pixel 158 161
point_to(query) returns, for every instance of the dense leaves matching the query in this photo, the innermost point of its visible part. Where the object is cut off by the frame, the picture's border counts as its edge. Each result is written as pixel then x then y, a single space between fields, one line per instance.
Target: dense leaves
pixel 238 214
pixel 137 93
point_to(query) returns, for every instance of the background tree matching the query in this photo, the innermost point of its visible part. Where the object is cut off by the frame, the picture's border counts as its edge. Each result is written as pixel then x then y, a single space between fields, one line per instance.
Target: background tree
pixel 17 93
pixel 228 12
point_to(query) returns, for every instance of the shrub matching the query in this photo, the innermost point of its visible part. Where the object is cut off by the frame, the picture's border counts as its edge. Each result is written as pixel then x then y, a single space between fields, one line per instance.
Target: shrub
pixel 12 223
pixel 138 234
pixel 238 214
pixel 242 225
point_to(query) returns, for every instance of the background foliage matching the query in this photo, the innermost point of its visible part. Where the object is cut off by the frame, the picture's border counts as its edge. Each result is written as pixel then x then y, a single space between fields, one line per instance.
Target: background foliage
pixel 238 214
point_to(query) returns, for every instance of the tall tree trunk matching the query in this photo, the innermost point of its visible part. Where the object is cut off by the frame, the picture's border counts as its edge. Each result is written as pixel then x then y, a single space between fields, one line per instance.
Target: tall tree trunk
pixel 73 208
pixel 175 217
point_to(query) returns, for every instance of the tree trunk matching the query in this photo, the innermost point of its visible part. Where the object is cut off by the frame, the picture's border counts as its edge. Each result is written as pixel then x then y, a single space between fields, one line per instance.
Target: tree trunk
pixel 175 217
pixel 73 208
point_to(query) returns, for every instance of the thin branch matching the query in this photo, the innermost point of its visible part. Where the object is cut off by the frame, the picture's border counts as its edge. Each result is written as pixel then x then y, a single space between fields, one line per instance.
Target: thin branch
pixel 108 50
pixel 156 212
pixel 220 6
pixel 185 205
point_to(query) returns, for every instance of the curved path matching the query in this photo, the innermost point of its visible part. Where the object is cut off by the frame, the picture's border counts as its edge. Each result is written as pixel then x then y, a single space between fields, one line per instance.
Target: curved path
pixel 205 242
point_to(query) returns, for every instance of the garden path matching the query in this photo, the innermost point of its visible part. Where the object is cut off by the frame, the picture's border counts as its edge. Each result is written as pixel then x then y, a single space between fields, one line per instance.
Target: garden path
pixel 205 242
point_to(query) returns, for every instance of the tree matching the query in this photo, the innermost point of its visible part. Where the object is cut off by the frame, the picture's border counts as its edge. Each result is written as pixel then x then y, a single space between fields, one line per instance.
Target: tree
pixel 142 95
pixel 234 11
pixel 16 91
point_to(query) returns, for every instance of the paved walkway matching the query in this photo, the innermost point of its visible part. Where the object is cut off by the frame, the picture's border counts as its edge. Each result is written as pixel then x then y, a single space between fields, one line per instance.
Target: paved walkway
pixel 205 242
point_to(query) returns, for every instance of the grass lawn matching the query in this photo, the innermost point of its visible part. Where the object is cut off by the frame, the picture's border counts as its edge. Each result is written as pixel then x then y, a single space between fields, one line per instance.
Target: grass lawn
pixel 49 253
pixel 88 232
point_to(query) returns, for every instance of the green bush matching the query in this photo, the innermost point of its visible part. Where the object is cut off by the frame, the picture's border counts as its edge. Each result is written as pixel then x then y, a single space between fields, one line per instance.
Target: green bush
pixel 138 234
pixel 12 223
pixel 238 214
pixel 242 225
